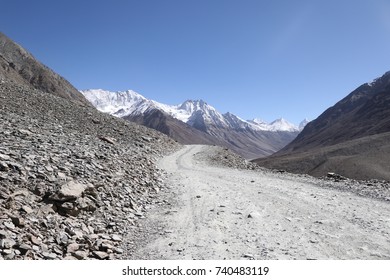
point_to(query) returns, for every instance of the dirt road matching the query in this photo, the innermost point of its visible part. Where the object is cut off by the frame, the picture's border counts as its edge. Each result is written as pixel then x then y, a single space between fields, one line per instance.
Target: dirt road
pixel 221 213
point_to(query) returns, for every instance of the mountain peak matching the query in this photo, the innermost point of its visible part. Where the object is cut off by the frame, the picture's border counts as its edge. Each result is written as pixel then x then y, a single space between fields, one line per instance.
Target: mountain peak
pixel 303 124
pixel 120 103
pixel 282 125
pixel 193 105
pixel 196 101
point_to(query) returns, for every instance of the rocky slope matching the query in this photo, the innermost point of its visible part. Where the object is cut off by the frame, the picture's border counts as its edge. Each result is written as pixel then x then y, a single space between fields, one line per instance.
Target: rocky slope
pixel 73 181
pixel 18 65
pixel 351 138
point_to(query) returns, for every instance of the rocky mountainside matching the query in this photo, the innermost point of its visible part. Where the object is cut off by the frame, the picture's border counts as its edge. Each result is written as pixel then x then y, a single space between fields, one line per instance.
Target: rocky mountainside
pixel 196 122
pixel 17 65
pixel 73 181
pixel 365 111
pixel 350 138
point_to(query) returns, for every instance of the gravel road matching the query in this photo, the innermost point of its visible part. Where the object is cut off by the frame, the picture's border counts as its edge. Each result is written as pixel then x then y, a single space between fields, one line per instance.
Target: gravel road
pixel 214 212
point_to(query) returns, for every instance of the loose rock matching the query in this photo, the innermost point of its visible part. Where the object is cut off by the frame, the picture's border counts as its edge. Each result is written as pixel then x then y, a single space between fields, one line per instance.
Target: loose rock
pixel 69 173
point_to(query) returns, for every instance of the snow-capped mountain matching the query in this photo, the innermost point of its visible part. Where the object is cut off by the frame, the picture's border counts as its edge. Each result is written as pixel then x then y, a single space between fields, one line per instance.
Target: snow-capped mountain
pixel 303 124
pixel 124 103
pixel 277 125
pixel 120 104
pixel 196 122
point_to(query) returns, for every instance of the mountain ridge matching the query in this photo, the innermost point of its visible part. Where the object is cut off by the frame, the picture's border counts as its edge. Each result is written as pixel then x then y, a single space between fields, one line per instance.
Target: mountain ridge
pixel 182 111
pixel 18 65
pixel 348 138
pixel 196 122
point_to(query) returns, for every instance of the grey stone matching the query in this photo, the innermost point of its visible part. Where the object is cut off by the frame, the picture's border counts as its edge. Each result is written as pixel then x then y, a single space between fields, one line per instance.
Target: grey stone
pixel 34 240
pixel 61 176
pixel 3 166
pixel 25 132
pixel 116 237
pixel 27 209
pixel 70 191
pixel 147 139
pixel 73 247
pixel 3 234
pixel 119 251
pixel 254 215
pixel 100 255
pixel 4 157
pixel 109 140
pixel 106 246
pixel 248 256
pixel 49 256
pixel 80 255
pixel 7 251
pixel 8 225
pixel 18 221
pixel 70 258
pixel 24 248
pixel 86 204
pixel 62 238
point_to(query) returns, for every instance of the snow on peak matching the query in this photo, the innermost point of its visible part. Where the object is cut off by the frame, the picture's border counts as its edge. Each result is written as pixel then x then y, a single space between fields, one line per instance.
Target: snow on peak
pixel 282 125
pixel 258 121
pixel 120 103
pixel 277 125
pixel 192 106
pixel 303 124
pixel 200 109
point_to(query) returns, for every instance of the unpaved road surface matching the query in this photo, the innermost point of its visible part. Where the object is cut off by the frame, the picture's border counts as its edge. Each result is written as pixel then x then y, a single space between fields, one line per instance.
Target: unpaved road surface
pixel 222 213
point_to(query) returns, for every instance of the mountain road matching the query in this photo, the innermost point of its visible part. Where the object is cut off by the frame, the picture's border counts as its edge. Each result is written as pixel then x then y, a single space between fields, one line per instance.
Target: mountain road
pixel 223 213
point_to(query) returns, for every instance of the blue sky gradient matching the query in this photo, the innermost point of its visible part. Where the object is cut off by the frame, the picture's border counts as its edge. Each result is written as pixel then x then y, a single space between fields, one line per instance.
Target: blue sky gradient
pixel 254 58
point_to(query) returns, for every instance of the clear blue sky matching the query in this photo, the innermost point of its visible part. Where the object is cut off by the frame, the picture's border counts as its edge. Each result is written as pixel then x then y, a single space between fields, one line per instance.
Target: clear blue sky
pixel 254 58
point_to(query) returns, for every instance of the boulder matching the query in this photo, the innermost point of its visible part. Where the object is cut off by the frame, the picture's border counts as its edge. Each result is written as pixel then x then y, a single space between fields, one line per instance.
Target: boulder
pixel 69 191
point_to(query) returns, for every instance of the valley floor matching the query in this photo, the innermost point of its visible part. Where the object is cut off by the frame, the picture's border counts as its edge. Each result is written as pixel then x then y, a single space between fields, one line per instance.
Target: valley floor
pixel 212 212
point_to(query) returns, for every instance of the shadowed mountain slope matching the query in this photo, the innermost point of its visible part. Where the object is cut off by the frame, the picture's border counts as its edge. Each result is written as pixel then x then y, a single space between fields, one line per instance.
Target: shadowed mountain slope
pixel 349 138
pixel 19 66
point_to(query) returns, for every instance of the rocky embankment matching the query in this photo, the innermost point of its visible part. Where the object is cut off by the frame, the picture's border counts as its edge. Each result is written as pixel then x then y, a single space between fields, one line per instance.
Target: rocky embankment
pixel 73 181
